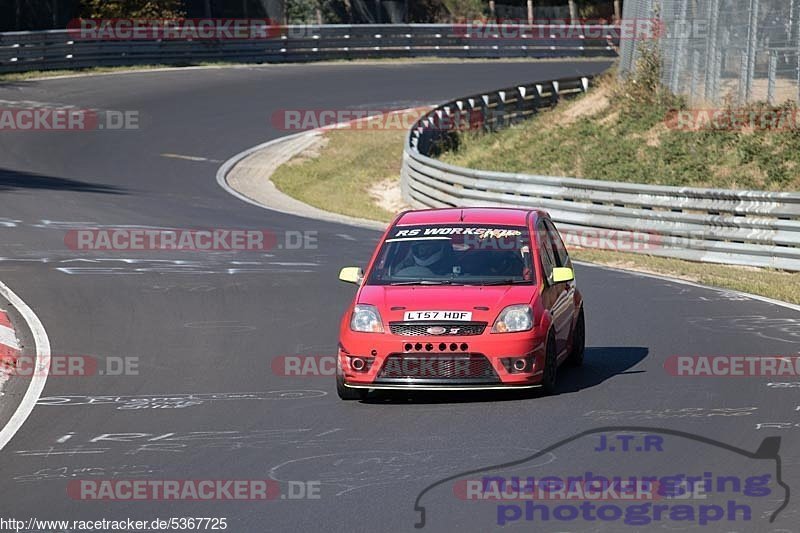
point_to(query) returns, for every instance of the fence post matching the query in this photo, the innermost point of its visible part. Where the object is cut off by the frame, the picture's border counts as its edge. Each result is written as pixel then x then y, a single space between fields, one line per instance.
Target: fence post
pixel 713 63
pixel 678 47
pixel 695 75
pixel 794 36
pixel 752 36
pixel 743 77
pixel 773 67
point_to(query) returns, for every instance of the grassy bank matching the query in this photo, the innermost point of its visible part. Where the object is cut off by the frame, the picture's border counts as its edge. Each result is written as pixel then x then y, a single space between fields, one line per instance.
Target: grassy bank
pixel 612 134
pixel 340 177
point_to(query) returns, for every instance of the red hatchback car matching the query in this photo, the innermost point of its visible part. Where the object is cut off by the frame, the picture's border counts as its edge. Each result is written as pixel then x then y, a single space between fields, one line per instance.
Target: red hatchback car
pixel 462 299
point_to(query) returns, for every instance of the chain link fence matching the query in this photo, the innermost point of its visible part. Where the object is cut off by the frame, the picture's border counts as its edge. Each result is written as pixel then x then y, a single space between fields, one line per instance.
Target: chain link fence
pixel 722 51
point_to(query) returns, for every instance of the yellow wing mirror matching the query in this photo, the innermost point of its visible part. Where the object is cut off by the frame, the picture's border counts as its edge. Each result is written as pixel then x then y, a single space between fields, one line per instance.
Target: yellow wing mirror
pixel 351 275
pixel 562 274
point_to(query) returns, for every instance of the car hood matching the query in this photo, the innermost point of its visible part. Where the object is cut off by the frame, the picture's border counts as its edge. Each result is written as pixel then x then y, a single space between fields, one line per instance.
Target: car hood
pixel 394 301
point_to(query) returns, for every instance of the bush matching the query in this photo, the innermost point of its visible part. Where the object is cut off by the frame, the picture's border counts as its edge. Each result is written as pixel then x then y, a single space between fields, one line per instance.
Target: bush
pixel 141 9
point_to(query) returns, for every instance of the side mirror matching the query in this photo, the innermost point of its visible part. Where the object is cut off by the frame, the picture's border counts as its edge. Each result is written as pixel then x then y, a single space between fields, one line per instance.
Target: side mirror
pixel 351 274
pixel 562 274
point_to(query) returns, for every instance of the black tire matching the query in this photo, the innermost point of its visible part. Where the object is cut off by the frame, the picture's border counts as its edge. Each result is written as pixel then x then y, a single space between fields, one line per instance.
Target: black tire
pixel 578 342
pixel 550 374
pixel 347 393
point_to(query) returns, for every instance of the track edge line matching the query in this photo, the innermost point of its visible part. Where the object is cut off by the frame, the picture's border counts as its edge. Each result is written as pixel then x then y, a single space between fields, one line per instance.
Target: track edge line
pixel 42 367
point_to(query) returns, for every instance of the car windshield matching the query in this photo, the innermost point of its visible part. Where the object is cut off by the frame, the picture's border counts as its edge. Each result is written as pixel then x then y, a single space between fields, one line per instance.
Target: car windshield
pixel 454 255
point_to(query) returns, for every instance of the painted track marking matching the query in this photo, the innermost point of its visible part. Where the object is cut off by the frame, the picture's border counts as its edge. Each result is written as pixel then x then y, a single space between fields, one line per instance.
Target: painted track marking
pixel 39 378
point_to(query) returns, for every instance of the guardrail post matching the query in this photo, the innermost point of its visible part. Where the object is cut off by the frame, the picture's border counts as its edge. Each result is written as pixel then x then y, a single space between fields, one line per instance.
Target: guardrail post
pixel 522 103
pixel 500 110
pixel 474 116
pixel 487 122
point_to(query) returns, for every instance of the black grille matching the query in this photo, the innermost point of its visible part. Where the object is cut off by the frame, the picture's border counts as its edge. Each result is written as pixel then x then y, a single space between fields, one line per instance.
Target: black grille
pixel 437 368
pixel 451 329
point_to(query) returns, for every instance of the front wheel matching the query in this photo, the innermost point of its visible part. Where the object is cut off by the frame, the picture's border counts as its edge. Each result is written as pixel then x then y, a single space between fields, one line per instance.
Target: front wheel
pixel 347 393
pixel 549 375
pixel 578 342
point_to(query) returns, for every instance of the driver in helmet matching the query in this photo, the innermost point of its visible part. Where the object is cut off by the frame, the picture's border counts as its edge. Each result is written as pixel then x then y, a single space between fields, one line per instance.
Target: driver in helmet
pixel 429 257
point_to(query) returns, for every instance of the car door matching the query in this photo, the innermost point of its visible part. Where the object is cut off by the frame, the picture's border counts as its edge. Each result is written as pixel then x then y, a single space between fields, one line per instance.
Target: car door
pixel 566 289
pixel 553 295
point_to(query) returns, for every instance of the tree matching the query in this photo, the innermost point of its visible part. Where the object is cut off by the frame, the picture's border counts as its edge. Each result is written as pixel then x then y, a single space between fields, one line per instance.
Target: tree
pixel 141 9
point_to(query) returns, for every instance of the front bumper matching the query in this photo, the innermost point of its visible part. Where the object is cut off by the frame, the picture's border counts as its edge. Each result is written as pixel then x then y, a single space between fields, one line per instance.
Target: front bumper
pixel 480 362
pixel 420 386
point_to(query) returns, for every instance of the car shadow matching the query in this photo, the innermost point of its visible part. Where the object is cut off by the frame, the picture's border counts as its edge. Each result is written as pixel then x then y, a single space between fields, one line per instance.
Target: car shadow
pixel 14 179
pixel 600 364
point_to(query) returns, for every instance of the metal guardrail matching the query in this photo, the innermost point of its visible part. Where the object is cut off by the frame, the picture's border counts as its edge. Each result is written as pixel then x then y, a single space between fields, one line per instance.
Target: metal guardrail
pixel 753 228
pixel 62 49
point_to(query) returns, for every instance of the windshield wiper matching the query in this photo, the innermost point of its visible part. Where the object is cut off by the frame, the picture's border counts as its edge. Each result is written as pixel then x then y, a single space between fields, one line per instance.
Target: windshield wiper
pixel 426 282
pixel 506 282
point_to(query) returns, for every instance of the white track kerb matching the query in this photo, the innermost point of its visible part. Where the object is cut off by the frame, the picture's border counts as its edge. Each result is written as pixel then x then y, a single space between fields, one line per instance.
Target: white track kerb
pixel 42 368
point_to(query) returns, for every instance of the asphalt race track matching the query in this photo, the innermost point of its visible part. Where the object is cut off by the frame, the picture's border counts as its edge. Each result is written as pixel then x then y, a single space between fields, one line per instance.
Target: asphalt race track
pixel 210 324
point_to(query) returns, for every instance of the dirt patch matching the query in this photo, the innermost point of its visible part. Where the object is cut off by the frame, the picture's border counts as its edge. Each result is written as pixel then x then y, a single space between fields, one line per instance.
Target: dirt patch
pixel 653 136
pixel 595 101
pixel 312 152
pixel 386 194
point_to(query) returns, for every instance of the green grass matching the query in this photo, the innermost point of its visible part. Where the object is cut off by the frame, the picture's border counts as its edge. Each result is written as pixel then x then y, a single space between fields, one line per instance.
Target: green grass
pixel 352 161
pixel 621 139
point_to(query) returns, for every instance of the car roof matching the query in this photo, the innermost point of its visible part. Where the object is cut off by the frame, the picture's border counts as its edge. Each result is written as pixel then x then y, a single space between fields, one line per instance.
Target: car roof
pixel 507 216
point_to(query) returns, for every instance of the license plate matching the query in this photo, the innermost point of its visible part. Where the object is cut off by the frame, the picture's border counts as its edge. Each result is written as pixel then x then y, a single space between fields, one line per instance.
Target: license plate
pixel 459 316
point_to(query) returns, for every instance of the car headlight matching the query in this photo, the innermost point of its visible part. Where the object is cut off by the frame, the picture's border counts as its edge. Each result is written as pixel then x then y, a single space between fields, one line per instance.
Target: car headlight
pixel 366 318
pixel 514 318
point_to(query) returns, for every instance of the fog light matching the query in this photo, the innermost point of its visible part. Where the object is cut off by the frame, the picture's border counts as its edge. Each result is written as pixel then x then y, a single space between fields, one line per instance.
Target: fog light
pixel 358 364
pixel 518 365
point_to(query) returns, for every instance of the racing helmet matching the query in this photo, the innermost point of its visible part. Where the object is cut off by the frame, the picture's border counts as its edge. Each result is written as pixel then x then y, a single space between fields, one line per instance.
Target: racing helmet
pixel 428 252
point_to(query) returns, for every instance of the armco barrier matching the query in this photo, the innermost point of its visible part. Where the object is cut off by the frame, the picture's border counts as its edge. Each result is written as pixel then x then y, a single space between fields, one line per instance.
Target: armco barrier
pixel 753 228
pixel 63 49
